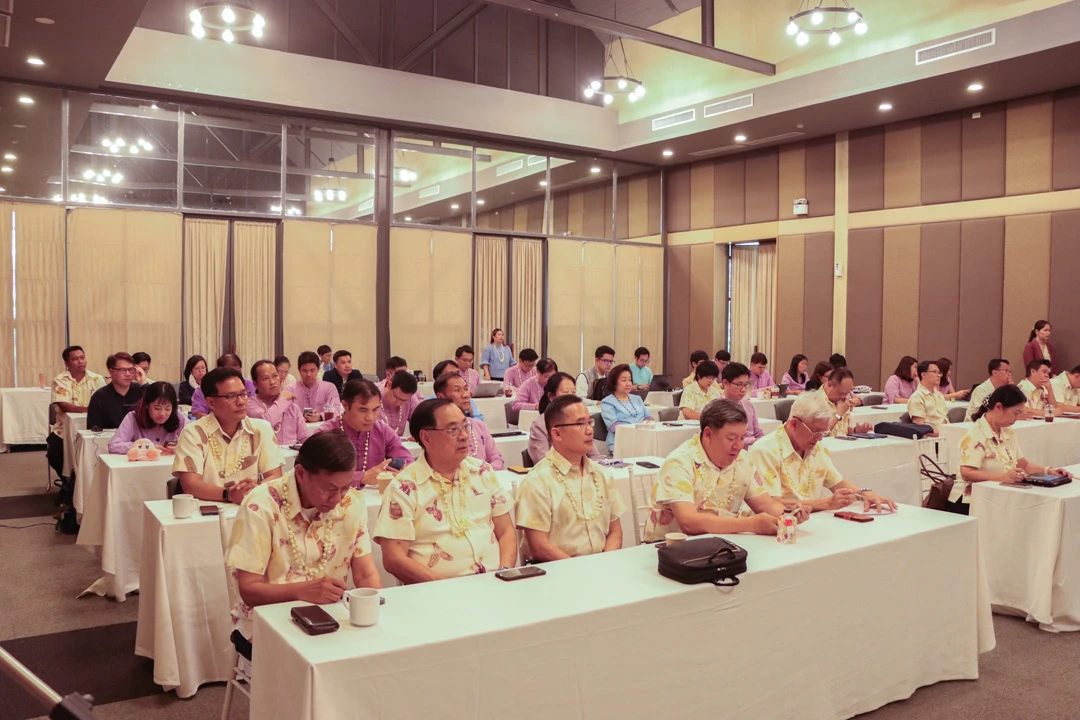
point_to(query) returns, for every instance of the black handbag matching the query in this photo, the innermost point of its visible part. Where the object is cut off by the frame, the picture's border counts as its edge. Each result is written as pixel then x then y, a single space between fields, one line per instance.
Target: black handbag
pixel 903 430
pixel 708 559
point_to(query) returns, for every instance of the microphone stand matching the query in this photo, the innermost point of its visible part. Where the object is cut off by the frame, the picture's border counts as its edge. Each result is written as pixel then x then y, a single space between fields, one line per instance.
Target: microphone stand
pixel 72 707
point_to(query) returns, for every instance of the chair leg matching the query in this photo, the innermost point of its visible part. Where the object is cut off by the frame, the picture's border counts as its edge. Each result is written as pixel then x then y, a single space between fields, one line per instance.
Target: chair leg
pixel 226 709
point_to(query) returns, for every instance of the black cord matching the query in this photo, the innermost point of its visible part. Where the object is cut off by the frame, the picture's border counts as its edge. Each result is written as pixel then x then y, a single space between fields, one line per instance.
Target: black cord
pixel 23 527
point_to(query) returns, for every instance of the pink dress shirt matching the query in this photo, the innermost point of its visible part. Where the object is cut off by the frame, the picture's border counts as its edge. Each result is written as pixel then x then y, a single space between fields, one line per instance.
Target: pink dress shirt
pixel 753 427
pixel 791 384
pixel 381 443
pixel 482 445
pixel 283 415
pixel 764 380
pixel 317 397
pixel 129 431
pixel 516 377
pixel 897 389
pixel 472 379
pixel 528 395
pixel 398 420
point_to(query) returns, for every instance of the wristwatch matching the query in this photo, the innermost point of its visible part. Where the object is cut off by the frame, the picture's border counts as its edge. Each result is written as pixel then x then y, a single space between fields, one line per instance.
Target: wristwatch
pixel 838 417
pixel 224 494
pixel 863 491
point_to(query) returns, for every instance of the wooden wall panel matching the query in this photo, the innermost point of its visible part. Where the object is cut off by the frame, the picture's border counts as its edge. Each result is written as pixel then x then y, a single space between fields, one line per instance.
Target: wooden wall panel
pixel 521 217
pixel 608 232
pixel 678 199
pixel 866 169
pixel 701 195
pixel 729 184
pixel 678 309
pixel 560 213
pixel 491 48
pixel 982 261
pixel 453 58
pixel 903 164
pixel 982 156
pixel 1064 291
pixel 577 213
pixel 656 203
pixel 790 273
pixel 939 290
pixel 817 297
pixel 865 267
pixel 523 38
pixel 1027 258
pixel 561 60
pixel 1067 139
pixel 622 210
pixel 941 159
pixel 899 297
pixel 821 176
pixel 638 210
pixel 762 186
pixel 1029 152
pixel 792 177
pixel 701 296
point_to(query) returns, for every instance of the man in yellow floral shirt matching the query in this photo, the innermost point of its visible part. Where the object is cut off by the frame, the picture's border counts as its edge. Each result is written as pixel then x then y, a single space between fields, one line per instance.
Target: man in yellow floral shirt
pixel 71 392
pixel 796 468
pixel 568 505
pixel 445 515
pixel 299 536
pixel 699 393
pixel 837 391
pixel 1038 390
pixel 926 406
pixel 702 485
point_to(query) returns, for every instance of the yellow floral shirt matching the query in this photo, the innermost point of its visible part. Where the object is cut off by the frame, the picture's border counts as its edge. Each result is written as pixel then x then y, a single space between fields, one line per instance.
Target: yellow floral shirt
pixel 202 448
pixel 449 523
pixel 260 539
pixel 688 475
pixel 788 475
pixel 982 449
pixel 694 398
pixel 930 406
pixel 842 426
pixel 65 389
pixel 980 393
pixel 1036 397
pixel 1064 392
pixel 550 496
pixel 688 380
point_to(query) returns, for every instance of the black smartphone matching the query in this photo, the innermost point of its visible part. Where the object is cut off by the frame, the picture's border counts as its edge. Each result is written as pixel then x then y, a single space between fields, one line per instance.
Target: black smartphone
pixel 846 437
pixel 206 510
pixel 170 443
pixel 397 463
pixel 646 464
pixel 520 573
pixel 313 620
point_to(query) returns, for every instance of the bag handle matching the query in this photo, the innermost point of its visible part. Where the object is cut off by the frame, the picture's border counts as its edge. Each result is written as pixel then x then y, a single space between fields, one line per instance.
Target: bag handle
pixel 934 474
pixel 727 582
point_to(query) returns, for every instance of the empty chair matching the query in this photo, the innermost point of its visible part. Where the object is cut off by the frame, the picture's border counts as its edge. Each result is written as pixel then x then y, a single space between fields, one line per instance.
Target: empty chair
pixel 783 409
pixel 957 414
pixel 641 481
pixel 676 398
pixel 668 414
pixel 872 399
pixel 512 415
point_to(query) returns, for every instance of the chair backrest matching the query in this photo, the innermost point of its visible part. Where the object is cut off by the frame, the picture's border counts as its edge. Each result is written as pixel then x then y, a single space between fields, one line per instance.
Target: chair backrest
pixel 526 458
pixel 676 397
pixel 872 399
pixel 905 417
pixel 668 414
pixel 225 523
pixel 52 414
pixel 599 428
pixel 641 393
pixel 512 415
pixel 641 482
pixel 783 409
pixel 957 414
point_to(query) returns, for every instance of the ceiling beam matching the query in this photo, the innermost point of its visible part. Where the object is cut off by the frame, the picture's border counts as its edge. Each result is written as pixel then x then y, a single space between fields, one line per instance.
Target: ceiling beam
pixel 708 23
pixel 342 27
pixel 448 28
pixel 621 29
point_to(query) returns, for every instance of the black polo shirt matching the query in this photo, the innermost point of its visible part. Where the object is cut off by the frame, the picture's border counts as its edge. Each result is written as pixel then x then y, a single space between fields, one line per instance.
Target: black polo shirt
pixel 334 377
pixel 107 407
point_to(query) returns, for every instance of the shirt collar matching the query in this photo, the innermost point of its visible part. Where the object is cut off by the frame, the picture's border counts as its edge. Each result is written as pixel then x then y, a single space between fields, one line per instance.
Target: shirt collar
pixel 698 454
pixel 292 491
pixel 212 425
pixel 785 446
pixel 422 471
pixel 563 466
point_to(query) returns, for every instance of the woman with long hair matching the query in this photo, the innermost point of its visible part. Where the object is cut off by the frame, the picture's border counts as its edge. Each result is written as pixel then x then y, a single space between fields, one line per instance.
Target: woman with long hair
pixel 796 378
pixel 1039 347
pixel 819 376
pixel 194 369
pixel 154 417
pixel 946 386
pixel 903 382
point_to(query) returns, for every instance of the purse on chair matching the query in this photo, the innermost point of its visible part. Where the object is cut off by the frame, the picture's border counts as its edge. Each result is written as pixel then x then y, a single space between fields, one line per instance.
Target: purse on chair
pixel 941 483
pixel 709 559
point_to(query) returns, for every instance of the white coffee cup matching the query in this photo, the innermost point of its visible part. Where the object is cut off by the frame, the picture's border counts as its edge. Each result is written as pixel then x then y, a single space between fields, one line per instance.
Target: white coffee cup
pixel 673 538
pixel 184 505
pixel 363 604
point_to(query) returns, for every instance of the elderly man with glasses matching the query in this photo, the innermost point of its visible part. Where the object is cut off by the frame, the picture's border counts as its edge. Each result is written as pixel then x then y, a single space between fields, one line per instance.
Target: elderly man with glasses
pixel 837 392
pixel 445 515
pixel 796 468
pixel 224 455
pixel 111 404
pixel 926 405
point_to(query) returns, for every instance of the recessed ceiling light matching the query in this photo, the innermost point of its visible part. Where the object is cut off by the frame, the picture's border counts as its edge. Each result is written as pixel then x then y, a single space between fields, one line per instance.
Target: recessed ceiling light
pixel 408 219
pixel 26 100
pixel 3 189
pixel 9 156
pixel 594 169
pixel 800 126
pixel 740 138
pixel 35 60
pixel 479 201
pixel 45 21
pixel 668 153
pixel 975 87
pixel 21 127
pixel 454 206
pixel 884 106
pixel 543 183
pixel 6 169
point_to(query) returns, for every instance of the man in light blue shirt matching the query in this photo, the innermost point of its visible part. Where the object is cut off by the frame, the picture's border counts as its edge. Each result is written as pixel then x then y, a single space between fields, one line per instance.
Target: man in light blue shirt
pixel 640 373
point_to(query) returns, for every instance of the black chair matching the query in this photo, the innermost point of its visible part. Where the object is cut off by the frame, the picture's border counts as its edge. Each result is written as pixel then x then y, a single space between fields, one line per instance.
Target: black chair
pixel 677 397
pixel 49 482
pixel 526 459
pixel 641 393
pixel 512 415
pixel 905 418
pixel 872 399
pixel 783 409
pixel 600 430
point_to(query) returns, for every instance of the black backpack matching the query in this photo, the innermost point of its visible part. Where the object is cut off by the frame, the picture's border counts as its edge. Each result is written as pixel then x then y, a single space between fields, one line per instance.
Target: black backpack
pixel 599 390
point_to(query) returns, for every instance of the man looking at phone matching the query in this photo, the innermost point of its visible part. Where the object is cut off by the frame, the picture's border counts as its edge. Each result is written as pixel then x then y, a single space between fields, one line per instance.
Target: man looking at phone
pixel 735 378
pixel 464 356
pixel 701 486
pixel 399 399
pixel 376 445
pixel 481 445
pixel 270 405
pixel 795 468
pixel 568 505
pixel 297 538
pixel 317 399
pixel 837 392
pixel 445 515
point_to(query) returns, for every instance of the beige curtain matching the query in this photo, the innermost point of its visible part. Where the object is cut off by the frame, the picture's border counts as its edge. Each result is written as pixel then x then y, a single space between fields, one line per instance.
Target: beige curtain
pixel 528 287
pixel 306 282
pixel 352 309
pixel 598 318
pixel 489 290
pixel 753 301
pixel 765 304
pixel 565 304
pixel 652 305
pixel 254 289
pixel 7 319
pixel 40 318
pixel 206 246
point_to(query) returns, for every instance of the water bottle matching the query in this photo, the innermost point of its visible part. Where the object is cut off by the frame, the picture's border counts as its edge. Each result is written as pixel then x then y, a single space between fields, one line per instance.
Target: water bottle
pixel 787 527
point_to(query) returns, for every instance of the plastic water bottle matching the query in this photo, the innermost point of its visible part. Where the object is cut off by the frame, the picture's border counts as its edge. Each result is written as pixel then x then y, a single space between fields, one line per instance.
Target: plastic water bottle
pixel 787 528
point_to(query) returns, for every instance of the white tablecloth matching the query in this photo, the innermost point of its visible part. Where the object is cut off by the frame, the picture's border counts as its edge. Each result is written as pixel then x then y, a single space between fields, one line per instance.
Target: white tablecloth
pixel 1056 443
pixel 526 417
pixel 1030 541
pixel 767 408
pixel 88 446
pixel 510 447
pixel 662 439
pixel 873 415
pixel 72 424
pixel 606 636
pixel 24 416
pixel 661 398
pixel 494 411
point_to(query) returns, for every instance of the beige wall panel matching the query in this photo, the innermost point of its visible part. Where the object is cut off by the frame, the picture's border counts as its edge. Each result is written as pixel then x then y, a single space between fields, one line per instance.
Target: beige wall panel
pixel 790 271
pixel 565 286
pixel 899 297
pixel 352 312
pixel 305 302
pixel 903 164
pixel 792 177
pixel 701 297
pixel 702 195
pixel 521 217
pixel 411 278
pixel 576 216
pixel 652 305
pixel 1029 145
pixel 678 309
pixel 627 301
pixel 639 206
pixel 1027 293
pixel 451 293
pixel 598 326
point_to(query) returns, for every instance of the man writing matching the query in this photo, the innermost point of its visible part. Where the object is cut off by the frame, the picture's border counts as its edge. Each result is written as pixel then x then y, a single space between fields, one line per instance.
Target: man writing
pixel 481 445
pixel 568 505
pixel 112 403
pixel 317 399
pixel 735 379
pixel 399 399
pixel 71 393
pixel 445 515
pixel 603 360
pixel 528 395
pixel 375 443
pixel 1000 374
pixel 1066 388
pixel 1037 388
pixel 640 373
pixel 701 392
pixel 464 357
pixel 927 406
pixel 343 371
pixel 199 407
pixel 273 407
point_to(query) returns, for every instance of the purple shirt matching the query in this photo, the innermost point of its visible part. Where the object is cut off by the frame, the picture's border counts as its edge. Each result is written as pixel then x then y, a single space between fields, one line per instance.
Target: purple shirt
pixel 528 395
pixel 753 427
pixel 515 376
pixel 764 380
pixel 472 379
pixel 129 431
pixel 198 400
pixel 317 397
pixel 482 445
pixel 283 416
pixel 381 443
pixel 398 420
pixel 791 384
pixel 897 389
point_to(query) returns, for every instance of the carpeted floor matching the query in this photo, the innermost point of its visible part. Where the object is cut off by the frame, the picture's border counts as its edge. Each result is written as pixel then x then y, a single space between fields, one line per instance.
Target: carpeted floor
pixel 87 645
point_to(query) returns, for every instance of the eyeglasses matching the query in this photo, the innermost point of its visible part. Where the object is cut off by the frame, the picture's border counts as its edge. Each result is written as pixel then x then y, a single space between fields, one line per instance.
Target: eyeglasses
pixel 453 430
pixel 231 397
pixel 741 386
pixel 607 362
pixel 124 369
pixel 813 435
pixel 579 424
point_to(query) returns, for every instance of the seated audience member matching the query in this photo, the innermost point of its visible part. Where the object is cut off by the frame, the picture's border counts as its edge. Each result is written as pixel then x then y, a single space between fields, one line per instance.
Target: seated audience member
pixel 110 404
pixel 71 393
pixel 796 468
pixel 819 376
pixel 283 366
pixel 317 399
pixel 946 386
pixel 464 357
pixel 519 374
pixel 640 373
pixel 603 359
pixel 194 370
pixel 199 407
pixel 796 377
pixel 1036 387
pixel 155 417
pixel 343 371
pixel 837 393
pixel 722 358
pixel 482 446
pixel 989 451
pixel 223 455
pixel 496 358
pixel 399 399
pixel 702 485
pixel 837 361
pixel 1066 388
pixel 393 365
pixel 273 407
pixel 1000 374
pixel 450 367
pixel 528 395
pixel 326 359
pixel 376 443
pixel 142 361
pixel 759 373
pixel 927 406
pixel 1039 347
pixel 558 384
pixel 735 380
pixel 697 357
pixel 702 391
pixel 902 383
pixel 568 505
pixel 298 538
pixel 445 515
pixel 620 406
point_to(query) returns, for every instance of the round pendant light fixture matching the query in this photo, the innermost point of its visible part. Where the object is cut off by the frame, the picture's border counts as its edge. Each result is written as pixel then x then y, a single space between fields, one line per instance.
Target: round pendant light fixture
pixel 227 19
pixel 819 19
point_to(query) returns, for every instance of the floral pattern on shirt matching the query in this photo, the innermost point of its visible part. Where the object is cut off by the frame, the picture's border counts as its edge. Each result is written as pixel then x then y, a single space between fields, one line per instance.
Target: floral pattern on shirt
pixel 983 449
pixel 788 475
pixel 694 398
pixel 255 438
pixel 930 406
pixel 65 389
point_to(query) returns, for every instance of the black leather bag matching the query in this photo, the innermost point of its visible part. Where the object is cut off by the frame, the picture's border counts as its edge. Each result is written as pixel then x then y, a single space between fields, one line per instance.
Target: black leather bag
pixel 702 560
pixel 903 430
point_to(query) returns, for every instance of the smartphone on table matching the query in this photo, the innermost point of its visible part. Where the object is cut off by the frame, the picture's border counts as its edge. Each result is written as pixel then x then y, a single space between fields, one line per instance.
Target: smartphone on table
pixel 520 573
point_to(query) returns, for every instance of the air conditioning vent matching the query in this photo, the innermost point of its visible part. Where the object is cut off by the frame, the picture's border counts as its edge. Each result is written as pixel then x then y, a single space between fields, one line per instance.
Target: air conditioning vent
pixel 978 41
pixel 726 106
pixel 428 192
pixel 509 167
pixel 366 206
pixel 536 160
pixel 742 146
pixel 679 118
